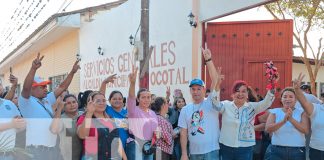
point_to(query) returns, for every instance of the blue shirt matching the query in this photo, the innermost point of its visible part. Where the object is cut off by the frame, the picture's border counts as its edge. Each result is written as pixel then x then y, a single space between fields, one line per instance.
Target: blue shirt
pixel 120 118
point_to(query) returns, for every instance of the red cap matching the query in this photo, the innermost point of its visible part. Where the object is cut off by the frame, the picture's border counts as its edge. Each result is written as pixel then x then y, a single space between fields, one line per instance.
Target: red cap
pixel 38 81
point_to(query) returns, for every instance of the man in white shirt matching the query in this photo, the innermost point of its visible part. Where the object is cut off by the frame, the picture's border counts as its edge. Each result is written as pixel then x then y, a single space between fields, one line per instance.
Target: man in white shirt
pixel 312 99
pixel 36 106
pixel 199 120
pixel 322 97
pixel 308 94
pixel 10 123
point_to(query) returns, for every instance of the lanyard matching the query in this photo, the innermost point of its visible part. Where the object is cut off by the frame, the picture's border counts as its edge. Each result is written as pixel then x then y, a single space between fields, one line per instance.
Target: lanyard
pixel 20 112
pixel 49 113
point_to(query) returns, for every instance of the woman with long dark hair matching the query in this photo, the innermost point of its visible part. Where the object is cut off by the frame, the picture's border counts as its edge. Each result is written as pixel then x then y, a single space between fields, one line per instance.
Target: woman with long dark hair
pixel 178 104
pixel 98 132
pixel 142 120
pixel 117 111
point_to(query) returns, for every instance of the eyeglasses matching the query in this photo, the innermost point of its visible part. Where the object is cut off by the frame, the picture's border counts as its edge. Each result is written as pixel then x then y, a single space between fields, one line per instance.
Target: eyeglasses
pixel 98 101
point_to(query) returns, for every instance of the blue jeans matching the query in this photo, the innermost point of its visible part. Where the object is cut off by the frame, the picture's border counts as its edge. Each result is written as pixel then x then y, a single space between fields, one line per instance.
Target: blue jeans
pixel 177 149
pixel 6 157
pixel 49 153
pixel 236 153
pixel 213 155
pixel 134 152
pixel 130 150
pixel 315 154
pixel 286 153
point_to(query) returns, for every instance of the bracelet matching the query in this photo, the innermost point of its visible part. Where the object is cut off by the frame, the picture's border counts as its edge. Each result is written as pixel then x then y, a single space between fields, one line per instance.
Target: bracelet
pixel 208 60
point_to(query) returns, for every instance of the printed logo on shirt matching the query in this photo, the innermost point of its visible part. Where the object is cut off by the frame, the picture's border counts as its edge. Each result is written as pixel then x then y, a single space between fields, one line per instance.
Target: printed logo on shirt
pixel 197 120
pixel 8 107
pixel 247 126
pixel 121 123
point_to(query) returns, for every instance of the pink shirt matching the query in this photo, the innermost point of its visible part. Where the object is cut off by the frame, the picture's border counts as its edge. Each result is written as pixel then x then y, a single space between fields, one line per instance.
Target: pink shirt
pixel 90 143
pixel 142 124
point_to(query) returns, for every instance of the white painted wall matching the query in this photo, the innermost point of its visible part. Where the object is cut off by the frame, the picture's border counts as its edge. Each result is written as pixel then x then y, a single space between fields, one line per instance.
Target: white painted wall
pixel 109 30
pixel 301 68
pixel 170 34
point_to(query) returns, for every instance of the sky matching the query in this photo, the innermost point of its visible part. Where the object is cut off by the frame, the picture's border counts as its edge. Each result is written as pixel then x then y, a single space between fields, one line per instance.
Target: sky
pixel 24 16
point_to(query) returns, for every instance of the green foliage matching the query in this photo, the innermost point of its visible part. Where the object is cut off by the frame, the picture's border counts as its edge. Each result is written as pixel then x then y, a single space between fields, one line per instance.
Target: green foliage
pixel 306 12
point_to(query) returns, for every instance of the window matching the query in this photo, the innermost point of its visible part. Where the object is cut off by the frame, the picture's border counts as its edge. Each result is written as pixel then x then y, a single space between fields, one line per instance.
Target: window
pixel 56 81
pixel 321 87
pixel 17 91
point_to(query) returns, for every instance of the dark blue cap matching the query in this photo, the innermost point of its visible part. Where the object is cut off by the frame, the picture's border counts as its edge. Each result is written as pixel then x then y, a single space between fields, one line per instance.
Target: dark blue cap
pixel 197 81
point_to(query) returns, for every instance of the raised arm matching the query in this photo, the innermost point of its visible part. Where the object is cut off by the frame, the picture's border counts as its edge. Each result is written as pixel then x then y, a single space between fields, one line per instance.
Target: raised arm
pixel 65 84
pixel 265 103
pixel 131 100
pixel 308 107
pixel 109 79
pixel 56 124
pixel 30 76
pixel 132 80
pixel 215 94
pixel 168 93
pixel 84 129
pixel 210 66
pixel 11 94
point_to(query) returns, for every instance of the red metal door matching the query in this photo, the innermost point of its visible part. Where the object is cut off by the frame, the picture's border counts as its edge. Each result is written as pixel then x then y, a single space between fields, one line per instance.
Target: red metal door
pixel 241 48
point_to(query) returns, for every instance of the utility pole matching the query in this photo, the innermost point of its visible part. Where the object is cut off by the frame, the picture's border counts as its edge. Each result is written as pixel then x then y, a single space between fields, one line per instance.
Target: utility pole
pixel 145 32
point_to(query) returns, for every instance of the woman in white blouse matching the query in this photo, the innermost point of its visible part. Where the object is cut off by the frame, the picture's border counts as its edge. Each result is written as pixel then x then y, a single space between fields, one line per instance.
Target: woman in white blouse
pixel 316 114
pixel 288 126
pixel 237 136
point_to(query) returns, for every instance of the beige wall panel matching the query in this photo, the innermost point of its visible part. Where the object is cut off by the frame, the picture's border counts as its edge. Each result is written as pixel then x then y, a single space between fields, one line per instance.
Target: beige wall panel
pixel 301 68
pixel 59 58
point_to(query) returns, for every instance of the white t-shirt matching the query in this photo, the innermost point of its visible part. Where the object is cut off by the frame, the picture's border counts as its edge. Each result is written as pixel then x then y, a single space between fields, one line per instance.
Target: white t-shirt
pixel 38 120
pixel 310 98
pixel 317 126
pixel 8 110
pixel 287 135
pixel 238 123
pixel 202 123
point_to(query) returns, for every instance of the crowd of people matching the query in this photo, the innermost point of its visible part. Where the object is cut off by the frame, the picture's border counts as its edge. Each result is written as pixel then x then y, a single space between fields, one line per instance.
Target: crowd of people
pixel 58 125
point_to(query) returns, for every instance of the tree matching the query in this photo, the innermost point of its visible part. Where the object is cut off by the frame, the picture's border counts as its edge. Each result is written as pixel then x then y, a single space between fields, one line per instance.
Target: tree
pixel 307 15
